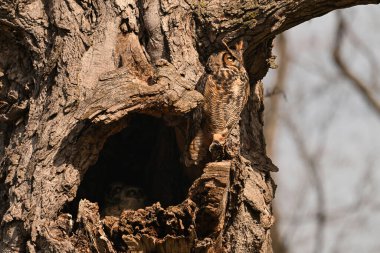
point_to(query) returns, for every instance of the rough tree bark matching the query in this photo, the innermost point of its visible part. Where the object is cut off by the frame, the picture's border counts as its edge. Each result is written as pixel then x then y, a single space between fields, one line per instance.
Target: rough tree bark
pixel 75 72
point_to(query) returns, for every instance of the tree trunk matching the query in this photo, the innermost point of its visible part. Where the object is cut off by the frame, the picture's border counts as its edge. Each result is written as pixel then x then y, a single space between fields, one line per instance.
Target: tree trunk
pixel 95 91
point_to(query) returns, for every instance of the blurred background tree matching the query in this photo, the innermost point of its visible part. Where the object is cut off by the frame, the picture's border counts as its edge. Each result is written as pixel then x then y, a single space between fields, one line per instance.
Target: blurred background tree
pixel 322 121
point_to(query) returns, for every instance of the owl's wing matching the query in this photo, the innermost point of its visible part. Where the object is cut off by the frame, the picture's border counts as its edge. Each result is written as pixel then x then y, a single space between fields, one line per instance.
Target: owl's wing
pixel 197 115
pixel 194 149
pixel 200 86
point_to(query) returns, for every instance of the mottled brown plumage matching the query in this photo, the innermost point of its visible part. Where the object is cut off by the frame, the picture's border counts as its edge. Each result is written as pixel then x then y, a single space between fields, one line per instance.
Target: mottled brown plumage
pixel 225 87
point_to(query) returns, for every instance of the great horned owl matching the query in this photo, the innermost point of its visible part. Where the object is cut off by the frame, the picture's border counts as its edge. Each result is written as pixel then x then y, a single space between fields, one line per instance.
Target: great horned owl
pixel 120 197
pixel 225 87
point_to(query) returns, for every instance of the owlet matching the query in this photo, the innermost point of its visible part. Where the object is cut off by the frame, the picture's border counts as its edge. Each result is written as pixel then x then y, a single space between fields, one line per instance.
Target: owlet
pixel 120 197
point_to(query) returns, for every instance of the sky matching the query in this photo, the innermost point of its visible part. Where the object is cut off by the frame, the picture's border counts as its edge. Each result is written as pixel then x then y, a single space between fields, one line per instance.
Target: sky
pixel 338 129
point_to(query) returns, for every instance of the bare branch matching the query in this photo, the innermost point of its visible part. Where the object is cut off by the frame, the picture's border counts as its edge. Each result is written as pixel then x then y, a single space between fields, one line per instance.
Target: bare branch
pixel 358 84
pixel 312 163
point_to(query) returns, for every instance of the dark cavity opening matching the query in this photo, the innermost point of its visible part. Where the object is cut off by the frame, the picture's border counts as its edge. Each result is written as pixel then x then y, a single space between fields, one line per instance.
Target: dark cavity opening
pixel 140 162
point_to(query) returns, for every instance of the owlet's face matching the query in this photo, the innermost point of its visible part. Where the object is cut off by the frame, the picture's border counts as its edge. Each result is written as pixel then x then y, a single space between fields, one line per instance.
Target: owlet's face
pixel 121 197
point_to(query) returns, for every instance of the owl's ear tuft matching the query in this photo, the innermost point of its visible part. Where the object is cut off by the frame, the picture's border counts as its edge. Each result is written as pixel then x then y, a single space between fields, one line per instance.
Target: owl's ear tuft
pixel 240 46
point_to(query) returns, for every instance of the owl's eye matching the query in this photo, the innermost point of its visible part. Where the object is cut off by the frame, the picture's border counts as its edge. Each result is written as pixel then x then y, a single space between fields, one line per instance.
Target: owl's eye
pixel 229 59
pixel 132 193
pixel 117 190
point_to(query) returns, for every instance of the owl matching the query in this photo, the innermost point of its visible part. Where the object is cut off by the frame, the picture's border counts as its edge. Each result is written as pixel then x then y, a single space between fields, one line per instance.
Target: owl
pixel 120 197
pixel 225 88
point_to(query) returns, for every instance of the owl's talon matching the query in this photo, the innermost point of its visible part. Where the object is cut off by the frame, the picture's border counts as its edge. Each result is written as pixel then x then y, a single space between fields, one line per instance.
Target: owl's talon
pixel 216 150
pixel 214 145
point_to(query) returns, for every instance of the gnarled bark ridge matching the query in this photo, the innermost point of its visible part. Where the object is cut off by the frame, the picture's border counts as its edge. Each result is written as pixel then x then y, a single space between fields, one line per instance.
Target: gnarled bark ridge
pixel 73 73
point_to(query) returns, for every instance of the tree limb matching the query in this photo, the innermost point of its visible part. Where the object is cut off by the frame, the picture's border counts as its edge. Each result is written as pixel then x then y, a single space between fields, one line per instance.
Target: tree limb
pixel 358 84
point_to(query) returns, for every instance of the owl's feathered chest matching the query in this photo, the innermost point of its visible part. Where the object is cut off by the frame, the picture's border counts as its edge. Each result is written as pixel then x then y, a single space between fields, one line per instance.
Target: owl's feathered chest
pixel 226 86
pixel 226 92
